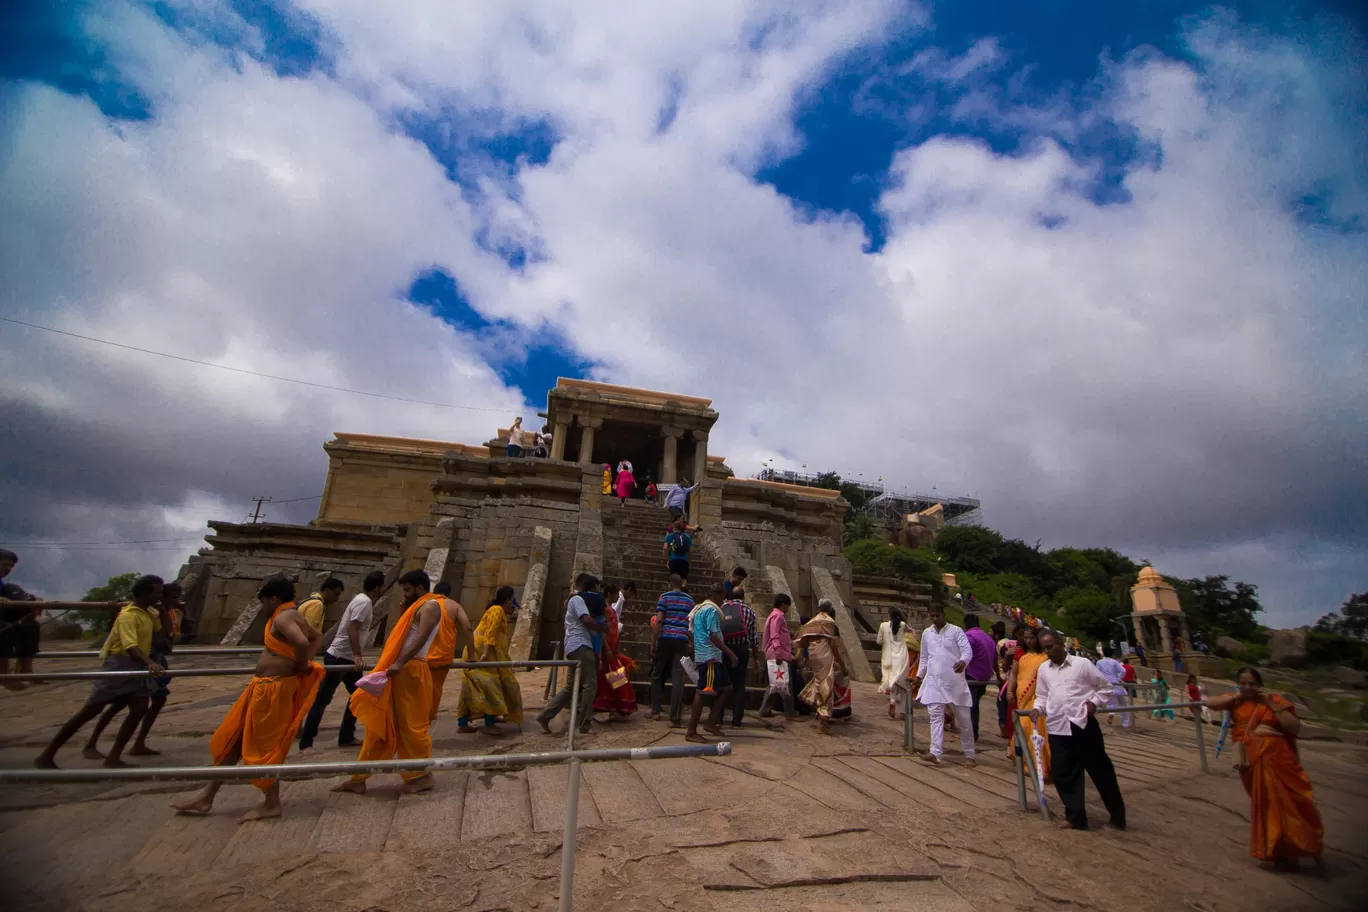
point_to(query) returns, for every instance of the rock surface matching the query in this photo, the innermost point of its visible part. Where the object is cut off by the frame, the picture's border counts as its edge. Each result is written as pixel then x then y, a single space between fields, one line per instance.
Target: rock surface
pixel 1350 677
pixel 1228 647
pixel 1288 648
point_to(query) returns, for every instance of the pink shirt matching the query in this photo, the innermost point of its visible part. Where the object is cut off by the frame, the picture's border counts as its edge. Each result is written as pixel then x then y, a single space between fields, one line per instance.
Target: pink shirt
pixel 778 643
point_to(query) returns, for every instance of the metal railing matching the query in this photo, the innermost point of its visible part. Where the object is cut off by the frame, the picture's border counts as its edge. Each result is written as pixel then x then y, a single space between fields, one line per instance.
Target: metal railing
pixel 574 758
pixel 1025 751
pixel 229 672
pixel 177 651
pixel 909 736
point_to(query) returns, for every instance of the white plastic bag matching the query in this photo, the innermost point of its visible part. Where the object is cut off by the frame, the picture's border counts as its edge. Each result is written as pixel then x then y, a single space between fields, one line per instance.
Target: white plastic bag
pixel 778 676
pixel 690 669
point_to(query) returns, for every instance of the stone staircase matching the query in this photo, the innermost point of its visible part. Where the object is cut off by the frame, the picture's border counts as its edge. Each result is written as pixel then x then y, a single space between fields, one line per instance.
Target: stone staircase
pixel 632 539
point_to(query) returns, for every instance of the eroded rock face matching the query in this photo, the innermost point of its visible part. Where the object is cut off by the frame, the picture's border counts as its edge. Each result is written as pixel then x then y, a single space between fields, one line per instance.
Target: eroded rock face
pixel 1288 648
pixel 1228 647
pixel 1350 677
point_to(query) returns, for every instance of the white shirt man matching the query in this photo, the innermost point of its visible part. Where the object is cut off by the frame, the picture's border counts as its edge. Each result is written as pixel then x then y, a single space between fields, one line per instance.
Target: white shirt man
pixel 360 609
pixel 1069 689
pixel 945 653
pixel 1115 673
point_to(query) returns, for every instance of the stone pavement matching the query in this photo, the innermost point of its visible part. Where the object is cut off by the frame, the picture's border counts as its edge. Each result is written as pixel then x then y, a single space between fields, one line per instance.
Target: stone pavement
pixel 791 820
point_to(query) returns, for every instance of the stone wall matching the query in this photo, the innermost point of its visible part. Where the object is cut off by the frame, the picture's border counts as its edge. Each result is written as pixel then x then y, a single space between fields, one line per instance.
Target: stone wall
pixel 221 583
pixel 381 479
pixel 876 595
pixel 496 508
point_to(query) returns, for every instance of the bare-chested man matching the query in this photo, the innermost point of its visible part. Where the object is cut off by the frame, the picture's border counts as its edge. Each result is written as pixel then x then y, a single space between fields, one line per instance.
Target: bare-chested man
pixel 397 720
pixel 261 726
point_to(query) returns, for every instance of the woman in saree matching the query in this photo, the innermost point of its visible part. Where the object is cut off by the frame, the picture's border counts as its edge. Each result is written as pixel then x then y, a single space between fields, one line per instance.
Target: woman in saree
pixel 1284 824
pixel 1161 695
pixel 893 661
pixel 610 699
pixel 1021 681
pixel 825 661
pixel 490 692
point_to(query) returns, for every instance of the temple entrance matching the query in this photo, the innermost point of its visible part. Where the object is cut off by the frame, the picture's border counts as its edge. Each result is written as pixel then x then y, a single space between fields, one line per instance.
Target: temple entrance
pixel 640 444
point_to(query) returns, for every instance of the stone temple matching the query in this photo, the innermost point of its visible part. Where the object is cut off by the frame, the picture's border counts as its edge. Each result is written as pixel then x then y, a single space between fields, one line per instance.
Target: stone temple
pixel 473 516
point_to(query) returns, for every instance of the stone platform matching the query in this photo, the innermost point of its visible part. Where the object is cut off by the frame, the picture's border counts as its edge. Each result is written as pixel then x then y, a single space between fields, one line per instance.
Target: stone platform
pixel 791 820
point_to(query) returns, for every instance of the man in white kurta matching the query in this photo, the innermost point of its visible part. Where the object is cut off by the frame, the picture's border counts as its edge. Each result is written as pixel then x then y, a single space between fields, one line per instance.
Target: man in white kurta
pixel 945 653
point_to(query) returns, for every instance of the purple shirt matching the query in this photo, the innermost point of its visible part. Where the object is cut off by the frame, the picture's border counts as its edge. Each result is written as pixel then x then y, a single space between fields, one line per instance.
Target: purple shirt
pixel 981 665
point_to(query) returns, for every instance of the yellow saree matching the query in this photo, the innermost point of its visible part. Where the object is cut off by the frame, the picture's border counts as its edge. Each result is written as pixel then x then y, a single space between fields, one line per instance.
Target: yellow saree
pixel 490 691
pixel 1027 668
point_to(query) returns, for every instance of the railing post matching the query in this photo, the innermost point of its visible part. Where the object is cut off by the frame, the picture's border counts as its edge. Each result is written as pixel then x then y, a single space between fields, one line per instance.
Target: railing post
pixel 1028 750
pixel 1018 759
pixel 574 709
pixel 1201 737
pixel 567 884
pixel 909 744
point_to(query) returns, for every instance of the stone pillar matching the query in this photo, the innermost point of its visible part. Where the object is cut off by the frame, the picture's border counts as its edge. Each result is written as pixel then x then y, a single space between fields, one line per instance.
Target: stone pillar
pixel 1139 631
pixel 1165 635
pixel 586 451
pixel 669 473
pixel 558 440
pixel 527 628
pixel 1187 638
pixel 700 470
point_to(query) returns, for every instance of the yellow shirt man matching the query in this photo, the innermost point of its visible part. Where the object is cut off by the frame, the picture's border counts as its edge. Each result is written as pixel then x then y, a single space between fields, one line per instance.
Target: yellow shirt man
pixel 133 626
pixel 313 610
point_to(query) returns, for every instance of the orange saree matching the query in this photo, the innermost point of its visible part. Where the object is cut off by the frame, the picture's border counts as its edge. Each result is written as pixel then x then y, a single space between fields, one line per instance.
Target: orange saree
pixel 1284 822
pixel 267 716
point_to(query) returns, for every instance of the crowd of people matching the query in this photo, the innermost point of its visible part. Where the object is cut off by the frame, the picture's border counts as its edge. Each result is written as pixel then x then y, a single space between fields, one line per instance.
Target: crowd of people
pixel 717 643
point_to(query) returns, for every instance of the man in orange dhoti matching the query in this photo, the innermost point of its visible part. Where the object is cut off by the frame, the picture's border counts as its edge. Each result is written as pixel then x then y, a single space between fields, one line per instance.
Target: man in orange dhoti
pixel 397 720
pixel 261 726
pixel 453 633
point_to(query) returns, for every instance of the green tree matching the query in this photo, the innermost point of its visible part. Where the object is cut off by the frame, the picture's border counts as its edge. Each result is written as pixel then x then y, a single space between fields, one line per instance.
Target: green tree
pixel 1352 620
pixel 969 549
pixel 116 589
pixel 1212 605
pixel 859 528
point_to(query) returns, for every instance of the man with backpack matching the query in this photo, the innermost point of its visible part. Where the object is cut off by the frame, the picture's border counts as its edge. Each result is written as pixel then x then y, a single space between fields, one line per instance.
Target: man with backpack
pixel 678 545
pixel 739 634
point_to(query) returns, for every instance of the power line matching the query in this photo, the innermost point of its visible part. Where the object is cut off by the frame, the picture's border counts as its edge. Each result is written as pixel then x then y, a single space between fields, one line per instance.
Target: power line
pixel 139 541
pixel 296 499
pixel 240 370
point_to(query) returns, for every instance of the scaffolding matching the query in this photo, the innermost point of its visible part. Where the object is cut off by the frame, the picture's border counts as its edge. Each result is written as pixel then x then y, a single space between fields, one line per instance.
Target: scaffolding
pixel 891 508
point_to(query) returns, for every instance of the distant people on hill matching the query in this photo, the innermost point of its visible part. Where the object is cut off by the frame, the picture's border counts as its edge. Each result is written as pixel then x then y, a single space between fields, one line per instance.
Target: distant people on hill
pixel 515 438
pixel 626 483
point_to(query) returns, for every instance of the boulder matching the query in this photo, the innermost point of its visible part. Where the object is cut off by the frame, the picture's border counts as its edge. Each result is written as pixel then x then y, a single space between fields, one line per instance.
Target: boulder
pixel 1304 709
pixel 62 630
pixel 1350 677
pixel 1228 647
pixel 1287 648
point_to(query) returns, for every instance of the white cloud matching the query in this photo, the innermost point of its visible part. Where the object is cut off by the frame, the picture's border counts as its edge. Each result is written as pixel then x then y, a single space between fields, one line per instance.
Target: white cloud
pixel 1162 375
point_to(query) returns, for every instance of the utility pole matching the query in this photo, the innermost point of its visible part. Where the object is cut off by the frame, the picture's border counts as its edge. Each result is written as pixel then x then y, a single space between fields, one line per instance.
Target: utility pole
pixel 256 514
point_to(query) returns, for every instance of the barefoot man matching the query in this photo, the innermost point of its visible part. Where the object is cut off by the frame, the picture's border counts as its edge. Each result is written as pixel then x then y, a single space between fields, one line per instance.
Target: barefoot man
pixel 261 726
pixel 162 640
pixel 453 633
pixel 397 720
pixel 127 648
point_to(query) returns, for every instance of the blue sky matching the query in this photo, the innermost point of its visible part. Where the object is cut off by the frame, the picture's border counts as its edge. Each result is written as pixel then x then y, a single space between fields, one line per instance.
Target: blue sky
pixel 1097 264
